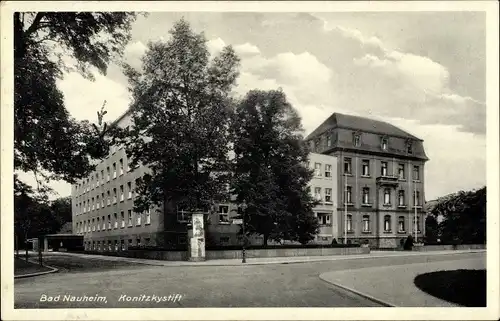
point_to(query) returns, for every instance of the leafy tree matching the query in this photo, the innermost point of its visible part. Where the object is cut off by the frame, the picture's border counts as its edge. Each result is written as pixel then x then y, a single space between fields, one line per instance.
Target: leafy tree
pixel 271 178
pixel 61 208
pixel 408 245
pixel 464 217
pixel 431 230
pixel 47 140
pixel 180 121
pixel 33 216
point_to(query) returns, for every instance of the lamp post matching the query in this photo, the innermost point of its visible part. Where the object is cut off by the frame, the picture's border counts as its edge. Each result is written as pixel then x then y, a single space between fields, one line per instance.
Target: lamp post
pixel 243 260
pixel 345 209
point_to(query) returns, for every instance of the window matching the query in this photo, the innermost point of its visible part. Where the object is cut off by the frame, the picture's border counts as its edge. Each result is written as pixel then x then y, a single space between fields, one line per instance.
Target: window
pixel 385 143
pixel 223 214
pixel 401 224
pixel 114 195
pixel 122 214
pixel 102 200
pixel 317 193
pixel 409 148
pixel 324 218
pixel 123 245
pixel 98 225
pixel 366 223
pixel 128 164
pixel 122 195
pixel 317 169
pixel 224 239
pixel 148 216
pixel 109 198
pixel 366 195
pixel 129 243
pixel 114 170
pixel 365 167
pixel 387 196
pixel 98 202
pixel 116 245
pixel 138 219
pixel 102 176
pixel 416 197
pixel 138 241
pixel 183 216
pixel 96 179
pixel 93 204
pixel 347 166
pixel 328 170
pixel 115 216
pixel 348 196
pixel 416 173
pixel 129 218
pixel 98 245
pixel 109 222
pixel 401 198
pixel 88 226
pixel 93 225
pixel 108 171
pixel 136 187
pixel 91 182
pixel 349 223
pixel 384 168
pixel 328 195
pixel 110 247
pixel 387 223
pixel 121 166
pixel 328 141
pixel 357 140
pixel 129 187
pixel 401 171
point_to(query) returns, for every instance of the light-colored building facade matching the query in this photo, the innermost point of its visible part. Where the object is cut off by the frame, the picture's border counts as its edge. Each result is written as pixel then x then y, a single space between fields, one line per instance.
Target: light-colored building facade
pixel 380 179
pixel 103 203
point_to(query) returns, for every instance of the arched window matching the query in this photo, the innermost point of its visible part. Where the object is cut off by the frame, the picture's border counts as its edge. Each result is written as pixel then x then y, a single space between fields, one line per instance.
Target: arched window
pixel 366 223
pixel 387 223
pixel 401 224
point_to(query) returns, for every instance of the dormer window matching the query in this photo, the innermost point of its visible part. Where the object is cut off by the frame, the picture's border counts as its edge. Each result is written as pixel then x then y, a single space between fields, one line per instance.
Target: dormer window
pixel 409 147
pixel 357 139
pixel 385 143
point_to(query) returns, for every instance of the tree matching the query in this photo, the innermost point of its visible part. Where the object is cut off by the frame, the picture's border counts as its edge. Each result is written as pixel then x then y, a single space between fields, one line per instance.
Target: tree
pixel 431 229
pixel 464 217
pixel 47 140
pixel 180 121
pixel 61 208
pixel 33 215
pixel 271 178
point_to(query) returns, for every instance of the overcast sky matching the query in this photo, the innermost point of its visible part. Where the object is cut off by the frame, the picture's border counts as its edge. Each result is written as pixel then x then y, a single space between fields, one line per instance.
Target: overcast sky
pixel 424 72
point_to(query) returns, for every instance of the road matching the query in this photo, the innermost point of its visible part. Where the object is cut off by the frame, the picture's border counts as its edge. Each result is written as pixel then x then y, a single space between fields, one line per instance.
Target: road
pixel 280 285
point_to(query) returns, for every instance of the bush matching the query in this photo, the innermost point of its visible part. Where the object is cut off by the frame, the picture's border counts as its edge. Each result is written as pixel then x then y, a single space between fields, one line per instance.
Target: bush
pixel 408 243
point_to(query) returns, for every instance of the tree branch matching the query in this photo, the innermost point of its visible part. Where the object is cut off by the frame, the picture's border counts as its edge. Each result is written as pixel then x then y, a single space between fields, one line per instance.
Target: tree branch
pixel 35 25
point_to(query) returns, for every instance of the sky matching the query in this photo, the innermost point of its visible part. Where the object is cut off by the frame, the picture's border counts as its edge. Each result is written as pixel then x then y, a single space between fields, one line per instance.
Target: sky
pixel 424 72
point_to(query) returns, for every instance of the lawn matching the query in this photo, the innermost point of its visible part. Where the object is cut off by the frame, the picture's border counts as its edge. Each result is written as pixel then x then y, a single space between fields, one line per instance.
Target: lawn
pixel 464 287
pixel 22 267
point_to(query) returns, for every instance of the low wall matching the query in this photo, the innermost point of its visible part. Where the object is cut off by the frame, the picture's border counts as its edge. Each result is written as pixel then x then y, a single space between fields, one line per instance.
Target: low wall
pixel 426 248
pixel 237 254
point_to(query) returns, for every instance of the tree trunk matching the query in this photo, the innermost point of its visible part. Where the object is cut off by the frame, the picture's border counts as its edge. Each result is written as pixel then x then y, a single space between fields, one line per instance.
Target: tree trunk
pixel 266 237
pixel 16 240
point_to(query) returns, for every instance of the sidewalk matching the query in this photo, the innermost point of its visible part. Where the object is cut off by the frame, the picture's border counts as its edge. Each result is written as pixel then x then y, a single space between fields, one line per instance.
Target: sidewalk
pixel 393 285
pixel 261 261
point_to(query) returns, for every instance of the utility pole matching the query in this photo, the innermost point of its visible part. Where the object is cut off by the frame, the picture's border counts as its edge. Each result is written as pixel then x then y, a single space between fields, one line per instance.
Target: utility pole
pixel 345 209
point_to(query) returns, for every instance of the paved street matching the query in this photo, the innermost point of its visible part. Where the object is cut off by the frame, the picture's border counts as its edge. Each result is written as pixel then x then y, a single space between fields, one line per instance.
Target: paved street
pixel 276 285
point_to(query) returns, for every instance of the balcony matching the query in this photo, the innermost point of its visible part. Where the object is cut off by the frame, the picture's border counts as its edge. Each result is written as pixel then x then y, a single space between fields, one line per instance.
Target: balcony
pixel 391 181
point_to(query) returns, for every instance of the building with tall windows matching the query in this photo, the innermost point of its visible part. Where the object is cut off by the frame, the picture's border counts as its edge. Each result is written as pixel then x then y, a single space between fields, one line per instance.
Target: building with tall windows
pixel 380 179
pixel 103 203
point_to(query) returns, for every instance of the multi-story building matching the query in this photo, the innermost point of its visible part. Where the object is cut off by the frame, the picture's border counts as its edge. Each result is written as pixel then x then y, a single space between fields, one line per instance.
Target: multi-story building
pixel 103 208
pixel 380 179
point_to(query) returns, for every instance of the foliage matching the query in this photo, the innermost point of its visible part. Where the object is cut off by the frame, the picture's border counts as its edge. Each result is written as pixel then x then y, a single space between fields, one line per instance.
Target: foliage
pixel 431 230
pixel 408 245
pixel 61 208
pixel 47 140
pixel 33 215
pixel 180 121
pixel 464 217
pixel 271 178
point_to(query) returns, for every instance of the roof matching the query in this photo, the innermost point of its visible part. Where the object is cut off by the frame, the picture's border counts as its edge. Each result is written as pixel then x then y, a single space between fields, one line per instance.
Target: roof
pixel 337 120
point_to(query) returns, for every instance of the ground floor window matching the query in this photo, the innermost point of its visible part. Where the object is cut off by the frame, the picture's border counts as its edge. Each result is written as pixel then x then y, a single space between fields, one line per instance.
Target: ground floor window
pixel 324 218
pixel 387 223
pixel 123 245
pixel 366 223
pixel 349 223
pixel 401 224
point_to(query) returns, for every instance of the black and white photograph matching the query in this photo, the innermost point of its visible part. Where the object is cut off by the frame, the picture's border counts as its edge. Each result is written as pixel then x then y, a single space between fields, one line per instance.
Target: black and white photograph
pixel 164 156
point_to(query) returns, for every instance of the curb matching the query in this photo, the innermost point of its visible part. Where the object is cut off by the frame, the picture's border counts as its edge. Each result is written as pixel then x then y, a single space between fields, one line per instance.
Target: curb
pixel 361 294
pixel 52 270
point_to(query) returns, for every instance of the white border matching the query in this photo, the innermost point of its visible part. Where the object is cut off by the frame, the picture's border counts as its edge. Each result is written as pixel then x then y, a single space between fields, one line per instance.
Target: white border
pixel 492 312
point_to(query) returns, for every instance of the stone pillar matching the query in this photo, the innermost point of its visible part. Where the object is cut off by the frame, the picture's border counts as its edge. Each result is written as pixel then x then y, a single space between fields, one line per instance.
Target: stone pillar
pixel 196 248
pixel 45 244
